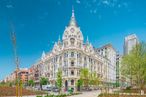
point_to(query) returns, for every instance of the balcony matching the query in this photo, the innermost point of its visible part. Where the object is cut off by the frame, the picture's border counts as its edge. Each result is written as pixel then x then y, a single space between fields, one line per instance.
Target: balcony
pixel 71 67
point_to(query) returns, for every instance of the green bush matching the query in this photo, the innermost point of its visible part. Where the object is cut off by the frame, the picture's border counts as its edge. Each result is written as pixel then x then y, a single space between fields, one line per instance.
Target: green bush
pixel 61 95
pixel 128 88
pixel 39 96
pixel 49 96
pixel 108 95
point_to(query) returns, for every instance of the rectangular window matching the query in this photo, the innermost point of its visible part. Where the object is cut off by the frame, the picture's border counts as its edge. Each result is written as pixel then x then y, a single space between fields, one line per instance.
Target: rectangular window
pixel 72 54
pixel 72 72
pixel 72 63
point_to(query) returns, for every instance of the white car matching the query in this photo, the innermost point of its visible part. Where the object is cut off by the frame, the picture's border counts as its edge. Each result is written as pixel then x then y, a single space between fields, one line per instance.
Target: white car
pixel 47 87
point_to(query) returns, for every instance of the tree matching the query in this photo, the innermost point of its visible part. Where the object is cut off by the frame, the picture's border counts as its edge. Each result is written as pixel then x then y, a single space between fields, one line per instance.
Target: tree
pixel 10 84
pixel 31 83
pixel 134 64
pixel 94 79
pixel 2 83
pixel 79 84
pixel 88 78
pixel 91 79
pixel 59 79
pixel 43 81
pixel 84 76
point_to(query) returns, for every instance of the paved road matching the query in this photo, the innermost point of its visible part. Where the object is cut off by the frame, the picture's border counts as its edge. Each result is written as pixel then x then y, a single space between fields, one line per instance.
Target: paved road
pixel 88 94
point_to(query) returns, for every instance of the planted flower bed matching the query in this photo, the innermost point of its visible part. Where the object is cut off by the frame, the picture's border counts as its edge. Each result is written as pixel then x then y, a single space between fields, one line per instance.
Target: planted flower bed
pixel 60 95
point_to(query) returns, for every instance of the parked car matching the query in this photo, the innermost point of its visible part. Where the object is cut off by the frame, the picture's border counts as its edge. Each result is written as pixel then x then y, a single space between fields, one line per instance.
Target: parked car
pixel 47 87
pixel 87 89
pixel 55 89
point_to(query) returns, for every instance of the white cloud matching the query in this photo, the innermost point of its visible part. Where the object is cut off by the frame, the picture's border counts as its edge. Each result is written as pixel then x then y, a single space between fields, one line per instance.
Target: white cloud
pixel 78 1
pixel 94 11
pixel 106 2
pixel 115 5
pixel 119 6
pixel 109 3
pixel 9 6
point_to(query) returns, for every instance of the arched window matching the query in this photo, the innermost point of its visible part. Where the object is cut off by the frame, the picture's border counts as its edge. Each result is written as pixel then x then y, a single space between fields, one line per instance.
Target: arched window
pixel 72 82
pixel 72 41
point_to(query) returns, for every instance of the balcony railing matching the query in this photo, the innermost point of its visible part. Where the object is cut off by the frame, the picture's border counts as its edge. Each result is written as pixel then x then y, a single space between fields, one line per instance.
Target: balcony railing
pixel 70 67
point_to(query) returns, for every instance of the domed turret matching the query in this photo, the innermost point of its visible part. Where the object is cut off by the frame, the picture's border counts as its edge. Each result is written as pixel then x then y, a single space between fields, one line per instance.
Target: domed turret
pixel 72 31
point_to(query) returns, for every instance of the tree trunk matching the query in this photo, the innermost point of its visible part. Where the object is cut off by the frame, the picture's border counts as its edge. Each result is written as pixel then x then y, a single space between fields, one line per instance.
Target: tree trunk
pixel 141 92
pixel 41 86
pixel 142 87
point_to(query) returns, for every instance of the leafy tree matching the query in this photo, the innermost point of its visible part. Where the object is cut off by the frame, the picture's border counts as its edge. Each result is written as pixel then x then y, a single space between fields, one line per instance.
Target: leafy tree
pixel 59 79
pixel 79 84
pixel 10 84
pixel 94 79
pixel 43 81
pixel 31 83
pixel 84 76
pixel 91 79
pixel 134 64
pixel 88 78
pixel 2 83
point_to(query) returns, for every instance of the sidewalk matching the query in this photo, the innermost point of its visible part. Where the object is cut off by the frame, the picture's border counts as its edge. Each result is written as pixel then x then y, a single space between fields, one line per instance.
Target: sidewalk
pixel 24 96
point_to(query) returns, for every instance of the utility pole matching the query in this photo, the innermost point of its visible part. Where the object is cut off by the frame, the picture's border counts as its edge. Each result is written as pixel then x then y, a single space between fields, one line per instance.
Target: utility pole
pixel 13 38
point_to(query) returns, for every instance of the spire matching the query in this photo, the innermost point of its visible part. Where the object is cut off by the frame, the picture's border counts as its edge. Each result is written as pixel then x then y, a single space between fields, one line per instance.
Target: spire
pixel 73 20
pixel 73 14
pixel 43 55
pixel 59 38
pixel 59 42
pixel 87 41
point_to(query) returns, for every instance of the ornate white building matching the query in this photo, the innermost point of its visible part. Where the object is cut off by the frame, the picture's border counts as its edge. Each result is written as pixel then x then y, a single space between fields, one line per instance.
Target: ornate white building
pixel 110 54
pixel 70 55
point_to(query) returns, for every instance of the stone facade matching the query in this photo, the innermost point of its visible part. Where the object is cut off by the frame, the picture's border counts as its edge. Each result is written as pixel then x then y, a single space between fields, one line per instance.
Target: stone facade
pixel 70 54
pixel 110 54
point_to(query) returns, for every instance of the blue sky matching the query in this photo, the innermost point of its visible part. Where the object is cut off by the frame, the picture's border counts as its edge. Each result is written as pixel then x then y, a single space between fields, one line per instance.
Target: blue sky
pixel 38 24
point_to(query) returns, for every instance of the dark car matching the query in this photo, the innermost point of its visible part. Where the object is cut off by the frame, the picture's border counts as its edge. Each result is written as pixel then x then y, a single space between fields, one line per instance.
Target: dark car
pixel 49 88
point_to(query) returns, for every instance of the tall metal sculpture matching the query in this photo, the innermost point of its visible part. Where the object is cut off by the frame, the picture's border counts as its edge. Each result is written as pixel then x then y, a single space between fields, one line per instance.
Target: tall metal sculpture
pixel 18 86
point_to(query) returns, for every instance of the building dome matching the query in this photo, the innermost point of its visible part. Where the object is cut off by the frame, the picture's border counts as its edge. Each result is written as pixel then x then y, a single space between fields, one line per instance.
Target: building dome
pixel 72 30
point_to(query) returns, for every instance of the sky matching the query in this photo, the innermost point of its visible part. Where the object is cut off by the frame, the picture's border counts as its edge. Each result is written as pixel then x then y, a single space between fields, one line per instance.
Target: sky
pixel 39 23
